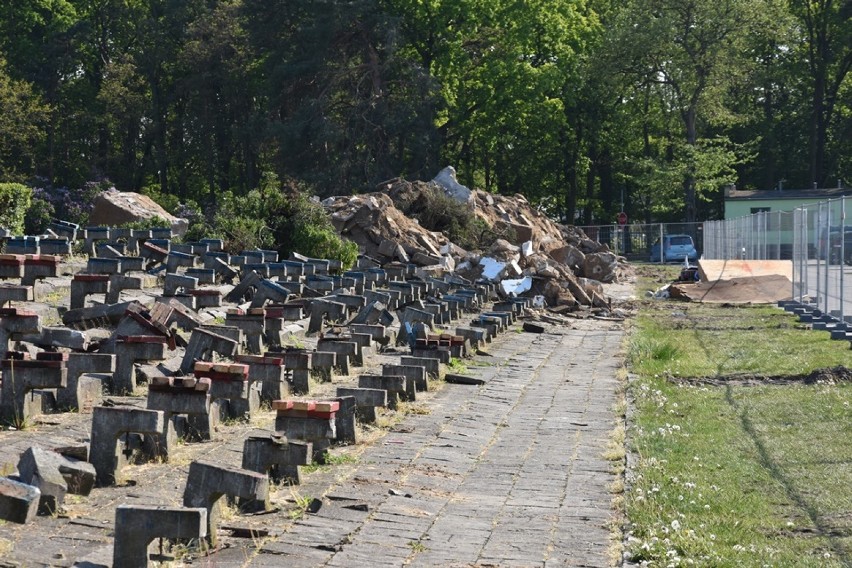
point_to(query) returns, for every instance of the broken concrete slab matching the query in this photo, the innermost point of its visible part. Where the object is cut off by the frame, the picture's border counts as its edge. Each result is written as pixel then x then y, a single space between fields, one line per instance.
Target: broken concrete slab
pixel 137 526
pixel 18 501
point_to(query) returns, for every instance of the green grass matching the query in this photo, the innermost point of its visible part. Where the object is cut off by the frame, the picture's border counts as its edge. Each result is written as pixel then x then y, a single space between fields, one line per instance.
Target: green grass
pixel 736 475
pixel 694 340
pixel 457 366
pixel 329 460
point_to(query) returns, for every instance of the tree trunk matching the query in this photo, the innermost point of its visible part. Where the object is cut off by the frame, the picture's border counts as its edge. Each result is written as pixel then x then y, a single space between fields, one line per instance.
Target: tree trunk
pixel 689 178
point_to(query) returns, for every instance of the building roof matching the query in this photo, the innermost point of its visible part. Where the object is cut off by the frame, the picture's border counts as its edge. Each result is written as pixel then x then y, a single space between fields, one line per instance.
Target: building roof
pixel 798 194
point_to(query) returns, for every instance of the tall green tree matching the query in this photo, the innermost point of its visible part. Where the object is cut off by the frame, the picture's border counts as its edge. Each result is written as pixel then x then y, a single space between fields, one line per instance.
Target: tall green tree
pixel 691 52
pixel 827 46
pixel 23 117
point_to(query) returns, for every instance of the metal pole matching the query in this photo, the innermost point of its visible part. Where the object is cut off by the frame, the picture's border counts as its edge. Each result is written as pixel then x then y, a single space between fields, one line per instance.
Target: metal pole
pixel 778 257
pixel 827 221
pixel 842 256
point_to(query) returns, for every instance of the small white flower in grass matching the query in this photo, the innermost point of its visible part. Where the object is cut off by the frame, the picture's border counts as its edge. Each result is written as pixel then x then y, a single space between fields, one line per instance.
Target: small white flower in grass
pixel 790 524
pixel 712 537
pixel 676 525
pixel 680 497
pixel 706 507
pixel 826 555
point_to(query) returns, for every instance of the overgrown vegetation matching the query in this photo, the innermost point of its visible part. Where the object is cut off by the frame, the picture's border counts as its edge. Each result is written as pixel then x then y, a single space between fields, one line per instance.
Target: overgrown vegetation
pixel 15 199
pixel 274 216
pixel 566 101
pixel 437 211
pixel 734 472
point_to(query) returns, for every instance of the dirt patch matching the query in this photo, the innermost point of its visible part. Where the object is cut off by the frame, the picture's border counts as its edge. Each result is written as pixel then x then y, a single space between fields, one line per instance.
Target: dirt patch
pixel 827 376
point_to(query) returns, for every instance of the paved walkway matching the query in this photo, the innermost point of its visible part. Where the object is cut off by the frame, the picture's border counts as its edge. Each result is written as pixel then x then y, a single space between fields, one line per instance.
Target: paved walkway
pixel 507 474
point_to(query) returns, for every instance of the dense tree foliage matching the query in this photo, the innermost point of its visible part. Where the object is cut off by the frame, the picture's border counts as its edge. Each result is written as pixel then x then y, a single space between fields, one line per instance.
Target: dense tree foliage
pixel 577 104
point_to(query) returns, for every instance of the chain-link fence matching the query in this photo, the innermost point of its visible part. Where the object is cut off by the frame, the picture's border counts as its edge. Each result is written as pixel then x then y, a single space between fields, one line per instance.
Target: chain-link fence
pixel 816 238
pixel 641 242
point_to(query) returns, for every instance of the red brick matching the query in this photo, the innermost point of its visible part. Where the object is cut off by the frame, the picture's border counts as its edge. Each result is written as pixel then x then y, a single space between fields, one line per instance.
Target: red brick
pixel 327 406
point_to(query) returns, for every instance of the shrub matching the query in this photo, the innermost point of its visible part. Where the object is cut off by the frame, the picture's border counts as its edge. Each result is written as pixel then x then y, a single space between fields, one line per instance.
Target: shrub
pixel 15 199
pixel 39 215
pixel 273 216
pixel 74 205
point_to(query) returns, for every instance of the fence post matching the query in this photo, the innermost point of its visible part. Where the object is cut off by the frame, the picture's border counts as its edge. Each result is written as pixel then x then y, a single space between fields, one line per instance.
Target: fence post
pixel 842 257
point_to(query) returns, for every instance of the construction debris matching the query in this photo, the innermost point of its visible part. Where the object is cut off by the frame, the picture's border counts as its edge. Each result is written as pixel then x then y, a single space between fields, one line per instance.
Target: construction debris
pixel 535 256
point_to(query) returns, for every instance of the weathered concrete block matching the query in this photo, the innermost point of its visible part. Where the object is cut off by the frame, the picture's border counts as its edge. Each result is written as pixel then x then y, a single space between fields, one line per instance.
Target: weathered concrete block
pixel 202 345
pixel 415 376
pixel 344 420
pixel 85 394
pixel 175 283
pixel 120 282
pixel 22 377
pixel 84 285
pixel 137 526
pixel 273 454
pixel 54 475
pixel 366 401
pixel 412 316
pixel 346 351
pixel 108 424
pixel 18 501
pixel 253 326
pixel 249 282
pixel 207 483
pixel 269 373
pixel 432 366
pixel 13 293
pixel 128 351
pixel 323 365
pixel 395 386
pixel 442 354
pixel 176 260
pixel 322 311
pixel 244 408
pixel 16 322
pixel 269 291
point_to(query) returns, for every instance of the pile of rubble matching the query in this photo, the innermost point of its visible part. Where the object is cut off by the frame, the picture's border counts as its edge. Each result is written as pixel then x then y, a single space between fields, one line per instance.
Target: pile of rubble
pixel 542 258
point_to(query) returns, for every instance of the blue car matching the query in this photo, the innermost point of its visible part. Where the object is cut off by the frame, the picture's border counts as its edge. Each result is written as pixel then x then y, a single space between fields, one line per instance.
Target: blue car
pixel 675 249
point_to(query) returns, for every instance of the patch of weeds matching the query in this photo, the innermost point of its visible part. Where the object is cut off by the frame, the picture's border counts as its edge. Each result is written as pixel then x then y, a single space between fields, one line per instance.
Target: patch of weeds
pixel 615 451
pixel 228 511
pixel 302 503
pixel 329 460
pixel 340 459
pixel 418 409
pixel 457 366
pixel 294 341
pixel 6 546
pixel 417 546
